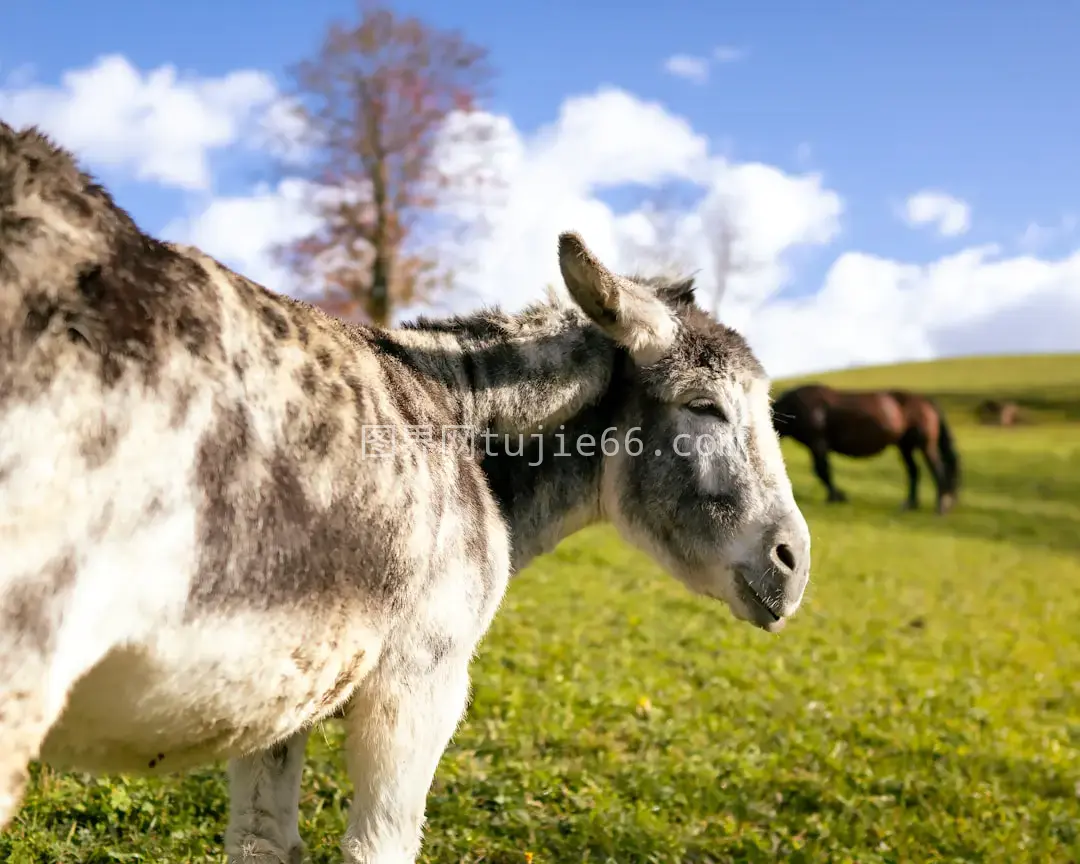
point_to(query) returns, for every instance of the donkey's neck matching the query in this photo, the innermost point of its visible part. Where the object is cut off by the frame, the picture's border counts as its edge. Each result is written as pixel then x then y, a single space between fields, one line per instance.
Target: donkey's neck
pixel 507 373
pixel 548 484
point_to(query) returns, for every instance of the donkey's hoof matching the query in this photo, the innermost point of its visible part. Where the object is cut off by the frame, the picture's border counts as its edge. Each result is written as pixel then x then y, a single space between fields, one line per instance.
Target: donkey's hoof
pixel 257 850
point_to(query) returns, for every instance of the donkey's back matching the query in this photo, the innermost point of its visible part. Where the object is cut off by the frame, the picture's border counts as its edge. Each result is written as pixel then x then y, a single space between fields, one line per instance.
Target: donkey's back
pixel 200 554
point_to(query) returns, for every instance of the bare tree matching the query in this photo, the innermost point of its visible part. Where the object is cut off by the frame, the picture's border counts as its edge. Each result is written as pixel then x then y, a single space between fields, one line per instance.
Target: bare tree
pixel 662 251
pixel 725 241
pixel 380 108
pixel 670 247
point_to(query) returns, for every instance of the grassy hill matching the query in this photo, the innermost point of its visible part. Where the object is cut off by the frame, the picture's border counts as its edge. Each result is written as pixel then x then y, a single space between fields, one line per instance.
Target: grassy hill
pixel 1047 386
pixel 923 706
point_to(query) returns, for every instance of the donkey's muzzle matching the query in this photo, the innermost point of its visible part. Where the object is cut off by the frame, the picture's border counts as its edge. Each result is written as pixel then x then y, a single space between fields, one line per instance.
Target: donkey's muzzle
pixel 772 587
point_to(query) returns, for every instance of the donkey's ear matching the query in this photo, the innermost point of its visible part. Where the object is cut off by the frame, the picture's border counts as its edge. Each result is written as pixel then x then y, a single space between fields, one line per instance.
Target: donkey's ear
pixel 627 311
pixel 678 293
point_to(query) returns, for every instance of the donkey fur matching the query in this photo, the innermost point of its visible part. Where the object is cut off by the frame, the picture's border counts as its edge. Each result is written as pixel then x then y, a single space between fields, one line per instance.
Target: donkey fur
pixel 222 520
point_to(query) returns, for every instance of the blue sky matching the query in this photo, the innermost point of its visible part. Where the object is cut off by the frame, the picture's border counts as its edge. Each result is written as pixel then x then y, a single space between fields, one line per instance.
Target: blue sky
pixel 976 99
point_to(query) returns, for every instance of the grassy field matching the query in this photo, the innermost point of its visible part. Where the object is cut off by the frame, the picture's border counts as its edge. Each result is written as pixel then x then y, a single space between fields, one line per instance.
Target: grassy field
pixel 923 706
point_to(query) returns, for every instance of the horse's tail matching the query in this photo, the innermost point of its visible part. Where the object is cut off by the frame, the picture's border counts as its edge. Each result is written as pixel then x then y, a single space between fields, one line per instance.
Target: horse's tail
pixel 950 458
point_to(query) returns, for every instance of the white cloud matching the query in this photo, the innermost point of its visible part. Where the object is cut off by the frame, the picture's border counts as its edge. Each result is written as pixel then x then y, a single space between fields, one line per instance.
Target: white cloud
pixel 695 69
pixel 729 54
pixel 552 180
pixel 242 230
pixel 280 130
pixel 611 138
pixel 869 309
pixel 877 310
pixel 951 215
pixel 157 125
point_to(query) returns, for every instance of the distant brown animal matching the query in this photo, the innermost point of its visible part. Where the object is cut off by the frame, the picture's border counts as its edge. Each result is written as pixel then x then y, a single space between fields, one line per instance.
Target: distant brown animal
pixel 861 424
pixel 993 412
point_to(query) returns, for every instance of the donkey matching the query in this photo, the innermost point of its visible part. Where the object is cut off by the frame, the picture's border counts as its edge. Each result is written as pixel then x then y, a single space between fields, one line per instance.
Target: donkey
pixel 227 516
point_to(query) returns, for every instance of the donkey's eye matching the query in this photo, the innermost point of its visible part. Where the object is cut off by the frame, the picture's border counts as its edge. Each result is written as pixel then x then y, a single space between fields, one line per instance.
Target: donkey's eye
pixel 707 408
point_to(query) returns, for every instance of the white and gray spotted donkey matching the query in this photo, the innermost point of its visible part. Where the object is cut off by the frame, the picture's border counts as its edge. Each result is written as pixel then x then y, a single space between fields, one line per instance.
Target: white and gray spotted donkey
pixel 202 557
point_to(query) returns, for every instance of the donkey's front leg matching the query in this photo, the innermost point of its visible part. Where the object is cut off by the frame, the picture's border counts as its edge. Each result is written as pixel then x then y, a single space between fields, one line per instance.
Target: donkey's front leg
pixel 264 805
pixel 398 727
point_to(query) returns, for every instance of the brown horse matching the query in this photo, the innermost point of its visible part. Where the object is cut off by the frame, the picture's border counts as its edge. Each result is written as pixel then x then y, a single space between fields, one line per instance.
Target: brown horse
pixel 862 424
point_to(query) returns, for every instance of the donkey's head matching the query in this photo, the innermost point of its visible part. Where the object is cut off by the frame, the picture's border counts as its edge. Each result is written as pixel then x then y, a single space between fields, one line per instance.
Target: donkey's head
pixel 698 481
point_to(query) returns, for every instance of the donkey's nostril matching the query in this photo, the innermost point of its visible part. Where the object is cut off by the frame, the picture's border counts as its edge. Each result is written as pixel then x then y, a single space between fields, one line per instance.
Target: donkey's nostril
pixel 786 556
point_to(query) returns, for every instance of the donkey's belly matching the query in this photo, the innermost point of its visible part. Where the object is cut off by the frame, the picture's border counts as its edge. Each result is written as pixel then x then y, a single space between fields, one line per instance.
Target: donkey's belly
pixel 184 702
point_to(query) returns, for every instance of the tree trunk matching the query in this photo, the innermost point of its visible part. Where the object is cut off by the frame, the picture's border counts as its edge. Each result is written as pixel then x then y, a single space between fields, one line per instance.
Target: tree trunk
pixel 379 297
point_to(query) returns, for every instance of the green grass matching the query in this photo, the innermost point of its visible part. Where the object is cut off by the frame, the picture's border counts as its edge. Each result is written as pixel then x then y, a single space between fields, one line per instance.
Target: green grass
pixel 924 705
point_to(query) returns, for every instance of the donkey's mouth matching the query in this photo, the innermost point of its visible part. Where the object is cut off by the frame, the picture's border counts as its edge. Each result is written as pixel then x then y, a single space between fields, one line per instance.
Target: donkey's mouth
pixel 758 611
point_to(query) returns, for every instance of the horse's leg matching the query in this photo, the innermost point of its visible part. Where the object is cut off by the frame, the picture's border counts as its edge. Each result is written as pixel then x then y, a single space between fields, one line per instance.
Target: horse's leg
pixel 264 805
pixel 937 469
pixel 907 451
pixel 399 724
pixel 820 451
